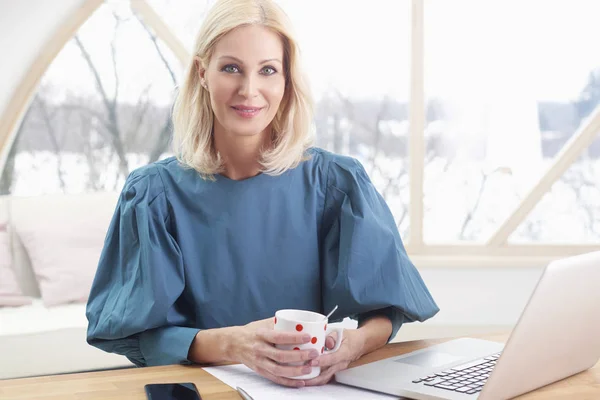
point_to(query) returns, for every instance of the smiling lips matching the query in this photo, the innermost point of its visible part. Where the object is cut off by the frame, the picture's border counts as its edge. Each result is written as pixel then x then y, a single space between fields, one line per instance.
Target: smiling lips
pixel 247 111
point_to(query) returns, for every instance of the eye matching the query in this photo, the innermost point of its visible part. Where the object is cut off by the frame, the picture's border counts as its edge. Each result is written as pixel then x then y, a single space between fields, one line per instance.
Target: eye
pixel 268 71
pixel 230 69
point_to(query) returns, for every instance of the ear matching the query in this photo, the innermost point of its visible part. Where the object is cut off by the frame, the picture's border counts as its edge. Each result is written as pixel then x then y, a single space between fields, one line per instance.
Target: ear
pixel 199 65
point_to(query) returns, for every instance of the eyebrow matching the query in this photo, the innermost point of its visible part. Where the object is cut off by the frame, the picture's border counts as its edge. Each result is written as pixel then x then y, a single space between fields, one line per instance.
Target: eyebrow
pixel 241 62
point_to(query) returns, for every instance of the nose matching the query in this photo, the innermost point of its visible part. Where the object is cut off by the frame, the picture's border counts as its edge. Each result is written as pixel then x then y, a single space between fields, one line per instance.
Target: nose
pixel 248 87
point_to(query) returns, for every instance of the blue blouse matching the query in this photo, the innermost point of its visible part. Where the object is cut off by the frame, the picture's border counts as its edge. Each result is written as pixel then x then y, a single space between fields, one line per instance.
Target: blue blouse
pixel 184 254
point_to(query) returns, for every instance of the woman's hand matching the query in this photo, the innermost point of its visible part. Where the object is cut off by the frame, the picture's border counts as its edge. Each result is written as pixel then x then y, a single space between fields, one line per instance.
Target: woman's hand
pixel 371 334
pixel 253 345
pixel 351 349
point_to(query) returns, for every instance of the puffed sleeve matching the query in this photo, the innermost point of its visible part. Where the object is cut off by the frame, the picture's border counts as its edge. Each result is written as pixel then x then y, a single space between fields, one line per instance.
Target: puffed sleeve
pixel 365 267
pixel 132 306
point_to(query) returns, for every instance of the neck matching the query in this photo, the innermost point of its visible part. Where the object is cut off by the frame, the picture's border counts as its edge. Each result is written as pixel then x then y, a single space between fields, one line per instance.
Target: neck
pixel 240 154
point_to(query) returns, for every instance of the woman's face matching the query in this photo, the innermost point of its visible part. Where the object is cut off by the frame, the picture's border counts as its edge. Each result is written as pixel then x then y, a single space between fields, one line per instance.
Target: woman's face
pixel 246 80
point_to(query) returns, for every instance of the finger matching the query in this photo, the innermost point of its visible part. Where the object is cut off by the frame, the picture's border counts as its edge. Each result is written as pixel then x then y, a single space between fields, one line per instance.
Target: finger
pixel 327 360
pixel 280 380
pixel 326 375
pixel 262 350
pixel 286 371
pixel 268 322
pixel 330 342
pixel 290 356
pixel 333 335
pixel 280 337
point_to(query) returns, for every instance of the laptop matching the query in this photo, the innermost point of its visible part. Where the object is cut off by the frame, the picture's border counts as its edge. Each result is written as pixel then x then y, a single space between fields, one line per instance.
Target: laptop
pixel 556 336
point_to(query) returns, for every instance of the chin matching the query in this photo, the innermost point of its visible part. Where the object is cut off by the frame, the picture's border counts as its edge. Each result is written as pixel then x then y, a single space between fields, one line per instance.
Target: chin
pixel 246 131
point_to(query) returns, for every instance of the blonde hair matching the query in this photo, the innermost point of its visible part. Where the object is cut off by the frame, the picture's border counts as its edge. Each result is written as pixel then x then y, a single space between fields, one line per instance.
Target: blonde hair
pixel 192 113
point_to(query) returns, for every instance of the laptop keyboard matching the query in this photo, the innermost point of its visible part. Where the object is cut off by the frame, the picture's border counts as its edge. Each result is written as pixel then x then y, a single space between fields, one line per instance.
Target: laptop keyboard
pixel 466 378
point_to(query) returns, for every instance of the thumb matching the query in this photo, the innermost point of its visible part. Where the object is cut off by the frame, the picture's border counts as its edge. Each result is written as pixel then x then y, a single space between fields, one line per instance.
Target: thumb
pixel 330 342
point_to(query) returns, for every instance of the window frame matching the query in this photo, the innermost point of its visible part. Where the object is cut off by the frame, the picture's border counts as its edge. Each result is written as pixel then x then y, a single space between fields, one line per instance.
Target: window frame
pixel 496 252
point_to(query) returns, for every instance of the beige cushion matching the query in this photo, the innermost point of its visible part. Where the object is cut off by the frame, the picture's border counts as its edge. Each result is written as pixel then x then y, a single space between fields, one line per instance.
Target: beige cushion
pixel 63 236
pixel 20 261
pixel 10 291
pixel 22 266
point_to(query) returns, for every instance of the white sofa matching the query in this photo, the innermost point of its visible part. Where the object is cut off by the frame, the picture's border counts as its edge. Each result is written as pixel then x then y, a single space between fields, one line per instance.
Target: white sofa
pixel 42 339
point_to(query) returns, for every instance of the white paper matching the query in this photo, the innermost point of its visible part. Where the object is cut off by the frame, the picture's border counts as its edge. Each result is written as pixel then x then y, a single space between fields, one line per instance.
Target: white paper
pixel 263 389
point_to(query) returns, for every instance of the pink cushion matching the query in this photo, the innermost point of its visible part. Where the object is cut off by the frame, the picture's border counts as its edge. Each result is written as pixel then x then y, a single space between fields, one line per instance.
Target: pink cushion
pixel 64 265
pixel 63 236
pixel 10 292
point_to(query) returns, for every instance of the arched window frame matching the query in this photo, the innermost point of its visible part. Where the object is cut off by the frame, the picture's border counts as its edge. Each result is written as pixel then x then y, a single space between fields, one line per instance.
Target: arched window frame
pixel 497 252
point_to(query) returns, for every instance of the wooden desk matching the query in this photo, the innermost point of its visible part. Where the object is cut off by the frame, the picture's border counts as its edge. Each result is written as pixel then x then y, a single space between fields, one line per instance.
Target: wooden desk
pixel 129 383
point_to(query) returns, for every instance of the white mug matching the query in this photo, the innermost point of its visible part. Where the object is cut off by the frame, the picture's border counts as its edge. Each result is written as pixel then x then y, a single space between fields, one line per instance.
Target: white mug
pixel 311 323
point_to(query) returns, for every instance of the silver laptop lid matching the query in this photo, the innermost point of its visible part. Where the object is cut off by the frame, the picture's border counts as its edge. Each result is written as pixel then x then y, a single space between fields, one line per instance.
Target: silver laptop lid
pixel 558 333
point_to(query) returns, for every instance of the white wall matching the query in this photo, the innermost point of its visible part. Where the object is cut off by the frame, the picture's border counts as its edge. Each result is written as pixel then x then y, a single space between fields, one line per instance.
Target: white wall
pixel 24 28
pixel 480 296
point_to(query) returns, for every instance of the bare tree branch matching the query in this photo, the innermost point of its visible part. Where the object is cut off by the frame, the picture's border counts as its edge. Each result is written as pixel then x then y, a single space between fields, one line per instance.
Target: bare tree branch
pixel 53 140
pixel 94 72
pixel 393 181
pixel 377 131
pixel 86 127
pixel 402 217
pixel 576 180
pixel 91 112
pixel 162 140
pixel 111 106
pixel 158 50
pixel 471 213
pixel 348 105
pixel 113 50
pixel 141 108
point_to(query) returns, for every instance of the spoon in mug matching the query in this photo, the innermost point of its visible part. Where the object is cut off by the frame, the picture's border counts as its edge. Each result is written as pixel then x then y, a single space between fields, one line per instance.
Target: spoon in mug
pixel 331 312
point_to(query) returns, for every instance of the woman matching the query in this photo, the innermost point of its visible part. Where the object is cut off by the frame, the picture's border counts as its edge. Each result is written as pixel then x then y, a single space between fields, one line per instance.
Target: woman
pixel 249 219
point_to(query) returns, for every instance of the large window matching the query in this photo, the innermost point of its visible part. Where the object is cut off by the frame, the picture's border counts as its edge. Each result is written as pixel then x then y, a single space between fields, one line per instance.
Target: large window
pixel 508 83
pixel 570 211
pixel 102 109
pixel 358 64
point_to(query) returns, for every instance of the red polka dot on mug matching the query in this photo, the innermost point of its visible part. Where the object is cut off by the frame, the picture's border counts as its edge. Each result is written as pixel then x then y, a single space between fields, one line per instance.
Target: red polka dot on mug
pixel 313 340
pixel 296 348
pixel 299 327
pixel 275 319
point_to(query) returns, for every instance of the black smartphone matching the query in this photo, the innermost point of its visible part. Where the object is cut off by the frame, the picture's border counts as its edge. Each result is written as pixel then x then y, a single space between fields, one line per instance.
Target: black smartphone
pixel 172 391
